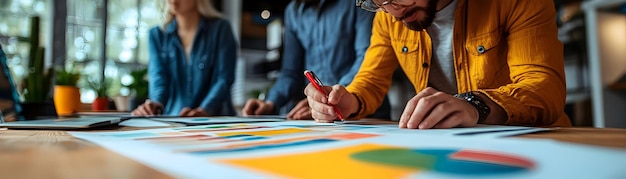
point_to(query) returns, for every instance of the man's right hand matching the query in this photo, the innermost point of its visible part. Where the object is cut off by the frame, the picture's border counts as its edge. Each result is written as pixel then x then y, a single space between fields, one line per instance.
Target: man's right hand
pixel 148 108
pixel 320 103
pixel 257 107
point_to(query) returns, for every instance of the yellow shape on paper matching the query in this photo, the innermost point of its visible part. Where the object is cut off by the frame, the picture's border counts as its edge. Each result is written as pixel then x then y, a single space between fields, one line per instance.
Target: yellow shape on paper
pixel 266 133
pixel 334 163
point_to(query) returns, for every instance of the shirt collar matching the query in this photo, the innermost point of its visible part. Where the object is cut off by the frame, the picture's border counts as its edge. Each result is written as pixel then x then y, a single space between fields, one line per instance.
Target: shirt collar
pixel 171 27
pixel 393 19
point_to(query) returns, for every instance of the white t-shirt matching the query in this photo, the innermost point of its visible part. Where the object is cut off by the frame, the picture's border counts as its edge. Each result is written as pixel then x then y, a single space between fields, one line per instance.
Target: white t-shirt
pixel 442 73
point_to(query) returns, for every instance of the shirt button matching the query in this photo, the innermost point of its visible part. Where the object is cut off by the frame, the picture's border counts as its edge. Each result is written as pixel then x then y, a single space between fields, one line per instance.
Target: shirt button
pixel 425 65
pixel 405 49
pixel 201 66
pixel 481 49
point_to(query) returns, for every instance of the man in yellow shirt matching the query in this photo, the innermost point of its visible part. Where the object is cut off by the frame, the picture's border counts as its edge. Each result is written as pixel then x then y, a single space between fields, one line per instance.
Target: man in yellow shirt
pixel 470 61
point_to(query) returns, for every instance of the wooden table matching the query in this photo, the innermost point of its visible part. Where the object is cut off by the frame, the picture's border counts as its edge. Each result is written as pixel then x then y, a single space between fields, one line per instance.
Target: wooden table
pixel 56 154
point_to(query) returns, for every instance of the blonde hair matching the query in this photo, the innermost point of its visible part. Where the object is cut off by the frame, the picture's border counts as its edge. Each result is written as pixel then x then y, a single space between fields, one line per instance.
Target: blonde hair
pixel 205 8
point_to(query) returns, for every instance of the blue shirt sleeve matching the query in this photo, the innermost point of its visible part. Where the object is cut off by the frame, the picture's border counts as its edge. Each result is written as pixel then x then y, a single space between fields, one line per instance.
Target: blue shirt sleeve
pixel 363 33
pixel 157 73
pixel 224 70
pixel 290 79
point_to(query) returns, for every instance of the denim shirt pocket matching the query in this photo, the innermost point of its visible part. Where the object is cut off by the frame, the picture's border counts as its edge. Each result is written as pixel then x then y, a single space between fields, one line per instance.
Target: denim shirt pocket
pixel 487 55
pixel 168 58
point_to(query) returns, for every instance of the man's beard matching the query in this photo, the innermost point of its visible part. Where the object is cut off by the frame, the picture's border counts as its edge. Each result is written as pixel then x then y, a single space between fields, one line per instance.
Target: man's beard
pixel 420 24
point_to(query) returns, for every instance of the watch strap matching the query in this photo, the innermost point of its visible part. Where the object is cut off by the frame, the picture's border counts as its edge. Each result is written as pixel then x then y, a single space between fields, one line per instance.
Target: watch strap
pixel 482 107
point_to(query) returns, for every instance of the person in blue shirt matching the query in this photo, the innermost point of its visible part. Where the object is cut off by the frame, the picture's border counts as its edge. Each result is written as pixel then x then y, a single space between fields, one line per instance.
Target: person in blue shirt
pixel 328 37
pixel 192 62
pixel 9 101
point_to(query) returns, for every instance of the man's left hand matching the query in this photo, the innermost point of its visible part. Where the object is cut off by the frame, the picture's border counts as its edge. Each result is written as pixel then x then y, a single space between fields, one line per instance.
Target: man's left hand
pixel 435 109
pixel 301 111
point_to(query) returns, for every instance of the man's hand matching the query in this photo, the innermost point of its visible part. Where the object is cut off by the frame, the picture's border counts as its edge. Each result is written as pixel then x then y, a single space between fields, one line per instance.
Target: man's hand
pixel 320 103
pixel 188 112
pixel 148 108
pixel 257 107
pixel 434 109
pixel 301 111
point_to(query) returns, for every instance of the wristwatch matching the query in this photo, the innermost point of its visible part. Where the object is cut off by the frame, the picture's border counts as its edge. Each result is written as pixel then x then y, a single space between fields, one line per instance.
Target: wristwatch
pixel 479 104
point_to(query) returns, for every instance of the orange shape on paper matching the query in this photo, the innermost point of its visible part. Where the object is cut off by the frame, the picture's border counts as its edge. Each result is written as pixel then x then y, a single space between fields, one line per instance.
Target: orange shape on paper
pixel 334 163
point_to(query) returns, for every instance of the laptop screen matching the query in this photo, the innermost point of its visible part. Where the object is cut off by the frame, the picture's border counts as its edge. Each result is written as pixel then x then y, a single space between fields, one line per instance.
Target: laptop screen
pixel 9 101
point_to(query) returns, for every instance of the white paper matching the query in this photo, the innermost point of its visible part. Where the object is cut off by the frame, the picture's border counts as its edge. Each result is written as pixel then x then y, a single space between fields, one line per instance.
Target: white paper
pixel 479 130
pixel 231 150
pixel 143 123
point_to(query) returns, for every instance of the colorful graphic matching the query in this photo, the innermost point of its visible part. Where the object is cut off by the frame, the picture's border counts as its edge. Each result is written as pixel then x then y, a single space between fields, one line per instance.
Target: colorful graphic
pixel 279 143
pixel 219 128
pixel 330 127
pixel 381 161
pixel 186 131
pixel 194 138
pixel 266 133
pixel 220 139
pixel 447 161
pixel 198 139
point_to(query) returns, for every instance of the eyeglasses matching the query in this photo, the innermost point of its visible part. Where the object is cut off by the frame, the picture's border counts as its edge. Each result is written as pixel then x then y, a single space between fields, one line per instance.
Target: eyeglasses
pixel 369 5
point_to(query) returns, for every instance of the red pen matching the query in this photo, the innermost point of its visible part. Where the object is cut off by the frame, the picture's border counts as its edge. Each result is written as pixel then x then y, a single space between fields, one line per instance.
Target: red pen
pixel 317 83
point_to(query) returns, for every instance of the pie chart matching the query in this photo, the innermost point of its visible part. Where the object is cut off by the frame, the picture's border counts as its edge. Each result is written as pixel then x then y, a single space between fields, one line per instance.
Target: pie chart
pixel 447 161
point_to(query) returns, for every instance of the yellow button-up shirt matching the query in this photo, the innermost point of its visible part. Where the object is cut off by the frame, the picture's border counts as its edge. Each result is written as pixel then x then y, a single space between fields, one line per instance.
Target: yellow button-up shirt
pixel 508 50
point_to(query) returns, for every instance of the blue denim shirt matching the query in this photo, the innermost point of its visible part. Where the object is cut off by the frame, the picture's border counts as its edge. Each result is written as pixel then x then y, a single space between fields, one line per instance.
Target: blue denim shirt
pixel 204 80
pixel 329 40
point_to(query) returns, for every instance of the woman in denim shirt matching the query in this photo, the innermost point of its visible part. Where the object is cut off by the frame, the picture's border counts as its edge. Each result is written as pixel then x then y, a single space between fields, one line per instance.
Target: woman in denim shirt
pixel 9 102
pixel 328 37
pixel 192 62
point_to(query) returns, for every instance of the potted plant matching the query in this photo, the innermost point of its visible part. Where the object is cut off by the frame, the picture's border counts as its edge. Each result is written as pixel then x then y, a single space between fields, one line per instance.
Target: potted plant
pixel 35 88
pixel 139 87
pixel 101 102
pixel 66 94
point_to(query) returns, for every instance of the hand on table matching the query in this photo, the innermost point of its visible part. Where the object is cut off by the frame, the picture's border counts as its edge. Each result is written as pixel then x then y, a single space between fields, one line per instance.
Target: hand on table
pixel 148 108
pixel 197 112
pixel 257 107
pixel 321 103
pixel 301 111
pixel 434 109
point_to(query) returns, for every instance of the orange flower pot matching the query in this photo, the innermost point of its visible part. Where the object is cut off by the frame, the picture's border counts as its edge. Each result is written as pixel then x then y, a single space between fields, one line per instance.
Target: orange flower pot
pixel 66 100
pixel 100 104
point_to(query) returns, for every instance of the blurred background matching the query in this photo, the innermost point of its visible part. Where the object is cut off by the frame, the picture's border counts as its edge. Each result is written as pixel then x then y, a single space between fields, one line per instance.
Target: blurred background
pixel 106 40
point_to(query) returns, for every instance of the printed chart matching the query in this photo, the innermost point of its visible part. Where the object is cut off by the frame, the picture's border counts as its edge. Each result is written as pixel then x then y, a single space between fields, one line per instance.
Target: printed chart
pixel 381 161
pixel 304 149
